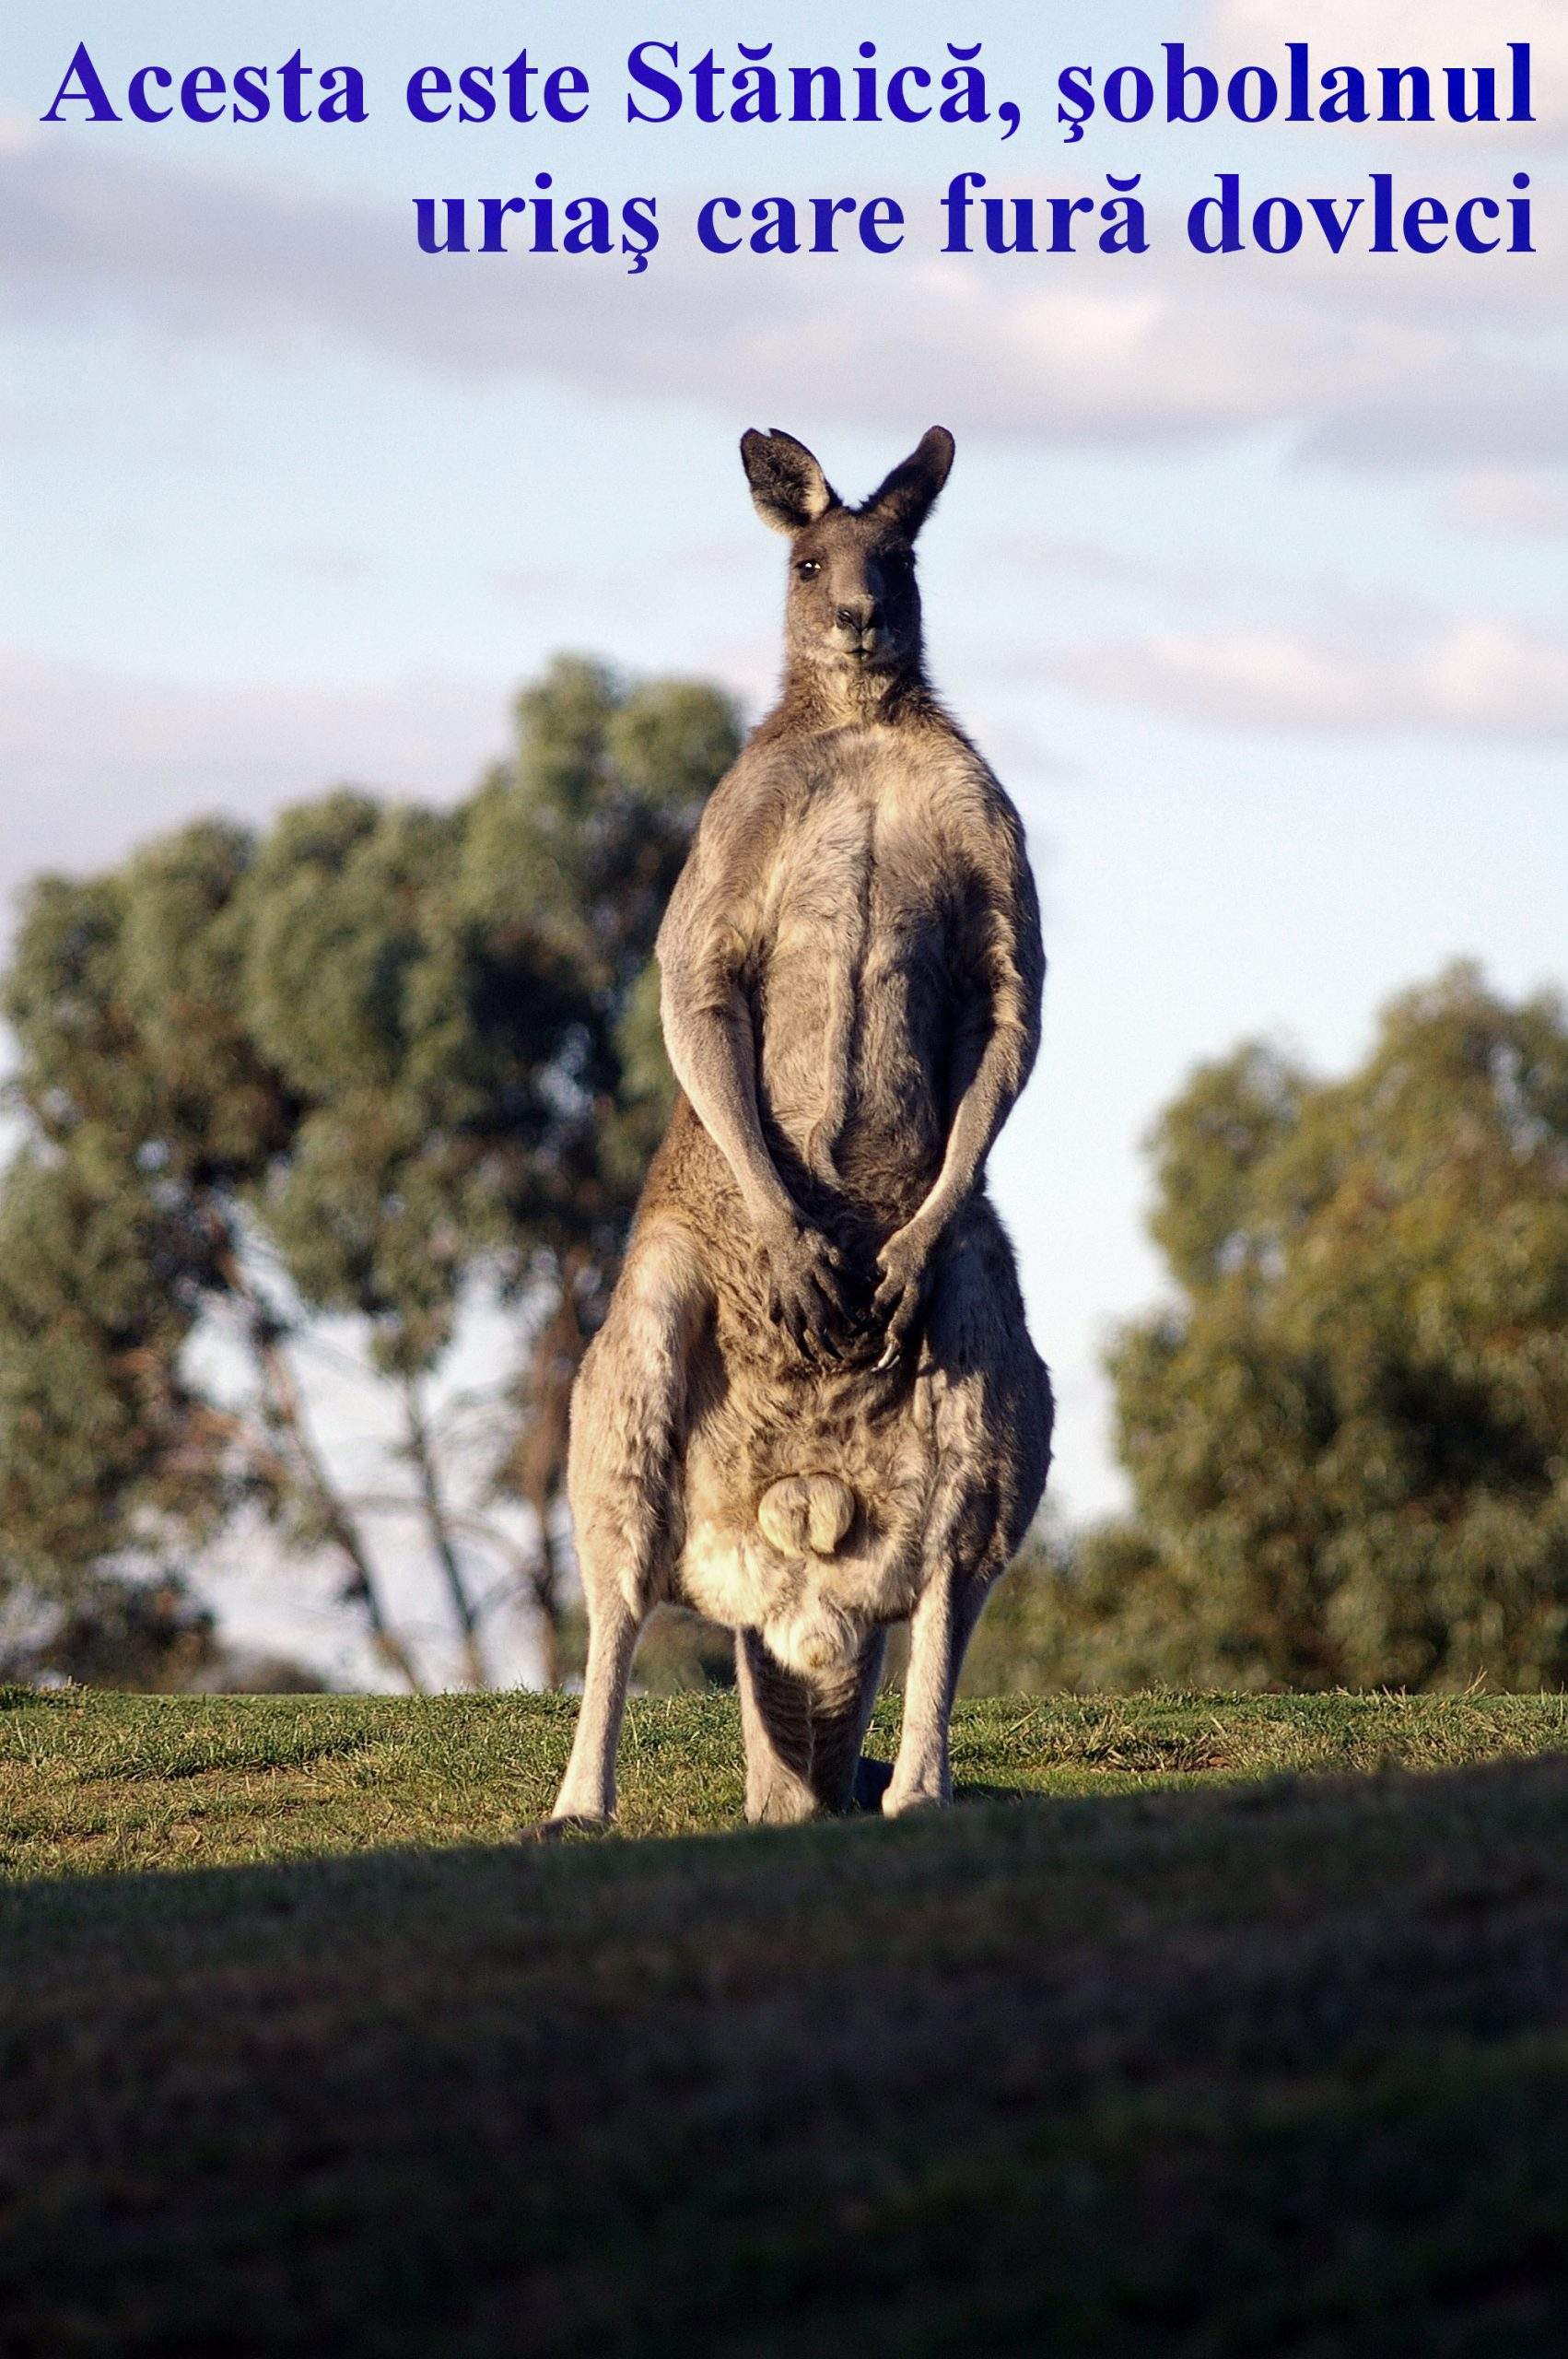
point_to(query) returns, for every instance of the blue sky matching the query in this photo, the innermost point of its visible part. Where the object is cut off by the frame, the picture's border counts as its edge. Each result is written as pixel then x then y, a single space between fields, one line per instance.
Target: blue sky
pixel 1249 577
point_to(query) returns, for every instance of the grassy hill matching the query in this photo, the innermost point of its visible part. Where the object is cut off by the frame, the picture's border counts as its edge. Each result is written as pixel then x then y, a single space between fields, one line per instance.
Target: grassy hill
pixel 1200 2026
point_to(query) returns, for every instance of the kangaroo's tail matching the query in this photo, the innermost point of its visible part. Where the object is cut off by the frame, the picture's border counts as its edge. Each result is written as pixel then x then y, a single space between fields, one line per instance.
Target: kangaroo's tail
pixel 807 1515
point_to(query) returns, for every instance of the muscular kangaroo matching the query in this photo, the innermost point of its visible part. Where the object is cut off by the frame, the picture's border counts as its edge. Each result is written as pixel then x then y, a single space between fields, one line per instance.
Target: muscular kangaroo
pixel 814 1409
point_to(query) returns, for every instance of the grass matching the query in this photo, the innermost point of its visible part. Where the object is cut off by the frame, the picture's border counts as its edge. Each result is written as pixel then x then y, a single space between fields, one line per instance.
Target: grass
pixel 1202 2027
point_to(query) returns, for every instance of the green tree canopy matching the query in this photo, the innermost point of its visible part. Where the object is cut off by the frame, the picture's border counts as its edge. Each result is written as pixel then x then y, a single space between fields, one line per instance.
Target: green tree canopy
pixel 356 1067
pixel 1348 1433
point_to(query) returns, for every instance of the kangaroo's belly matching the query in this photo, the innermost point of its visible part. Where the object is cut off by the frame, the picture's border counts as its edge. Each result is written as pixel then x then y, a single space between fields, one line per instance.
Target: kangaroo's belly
pixel 854 1008
pixel 873 1434
pixel 853 1070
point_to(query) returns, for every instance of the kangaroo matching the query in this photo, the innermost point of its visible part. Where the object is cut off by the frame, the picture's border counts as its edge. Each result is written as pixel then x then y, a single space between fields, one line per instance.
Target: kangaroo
pixel 814 1409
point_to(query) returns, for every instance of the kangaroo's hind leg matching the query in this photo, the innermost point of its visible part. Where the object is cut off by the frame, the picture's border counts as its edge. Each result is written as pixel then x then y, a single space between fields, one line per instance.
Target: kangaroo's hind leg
pixel 623 1478
pixel 803 1732
pixel 991 1421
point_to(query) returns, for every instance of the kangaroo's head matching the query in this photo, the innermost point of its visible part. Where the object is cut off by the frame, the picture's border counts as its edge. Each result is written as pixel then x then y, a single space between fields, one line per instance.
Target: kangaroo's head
pixel 854 605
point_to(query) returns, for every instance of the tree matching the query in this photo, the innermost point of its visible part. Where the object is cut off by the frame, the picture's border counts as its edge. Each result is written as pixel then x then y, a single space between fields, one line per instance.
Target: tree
pixel 340 1081
pixel 149 1635
pixel 1347 1435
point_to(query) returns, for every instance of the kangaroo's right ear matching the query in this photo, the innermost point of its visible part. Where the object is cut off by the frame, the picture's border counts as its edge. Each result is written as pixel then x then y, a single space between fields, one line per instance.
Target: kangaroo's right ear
pixel 789 489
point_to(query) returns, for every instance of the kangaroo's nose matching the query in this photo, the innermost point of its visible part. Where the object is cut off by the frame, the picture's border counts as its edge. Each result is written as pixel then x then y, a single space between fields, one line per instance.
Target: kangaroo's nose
pixel 858 613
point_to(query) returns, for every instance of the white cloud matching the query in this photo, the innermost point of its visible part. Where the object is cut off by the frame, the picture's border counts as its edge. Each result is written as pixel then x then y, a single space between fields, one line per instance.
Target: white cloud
pixel 625 581
pixel 1523 502
pixel 1108 353
pixel 1469 678
pixel 331 566
pixel 96 760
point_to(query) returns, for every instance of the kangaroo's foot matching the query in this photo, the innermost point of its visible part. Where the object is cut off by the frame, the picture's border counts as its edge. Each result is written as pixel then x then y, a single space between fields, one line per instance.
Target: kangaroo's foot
pixel 897 1799
pixel 780 1802
pixel 571 1828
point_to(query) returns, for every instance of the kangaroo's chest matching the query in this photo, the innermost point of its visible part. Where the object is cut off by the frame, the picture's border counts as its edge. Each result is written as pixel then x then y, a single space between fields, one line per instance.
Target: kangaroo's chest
pixel 854 994
pixel 857 882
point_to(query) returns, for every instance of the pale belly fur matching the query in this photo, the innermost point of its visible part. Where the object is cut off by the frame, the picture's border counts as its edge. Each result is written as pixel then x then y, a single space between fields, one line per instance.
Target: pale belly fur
pixel 813 1610
pixel 853 1002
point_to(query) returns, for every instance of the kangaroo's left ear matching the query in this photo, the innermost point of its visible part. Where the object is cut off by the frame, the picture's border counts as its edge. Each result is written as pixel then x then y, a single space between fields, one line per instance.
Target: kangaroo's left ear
pixel 909 493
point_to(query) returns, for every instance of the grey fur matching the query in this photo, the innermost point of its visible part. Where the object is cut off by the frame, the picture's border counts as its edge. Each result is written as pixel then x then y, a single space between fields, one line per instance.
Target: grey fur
pixel 814 1409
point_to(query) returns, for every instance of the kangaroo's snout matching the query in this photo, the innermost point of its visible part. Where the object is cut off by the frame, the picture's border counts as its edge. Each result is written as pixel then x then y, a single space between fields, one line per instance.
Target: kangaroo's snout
pixel 858 615
pixel 807 1515
pixel 858 626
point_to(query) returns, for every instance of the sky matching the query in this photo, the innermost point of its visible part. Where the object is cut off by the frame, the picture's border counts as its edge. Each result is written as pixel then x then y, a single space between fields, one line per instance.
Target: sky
pixel 1249 579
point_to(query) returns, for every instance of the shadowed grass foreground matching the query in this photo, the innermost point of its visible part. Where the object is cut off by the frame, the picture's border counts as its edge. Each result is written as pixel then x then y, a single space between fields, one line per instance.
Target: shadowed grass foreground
pixel 1180 2052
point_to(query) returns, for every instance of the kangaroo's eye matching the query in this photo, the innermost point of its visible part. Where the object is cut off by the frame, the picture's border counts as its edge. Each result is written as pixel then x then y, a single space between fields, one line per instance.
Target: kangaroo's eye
pixel 808 569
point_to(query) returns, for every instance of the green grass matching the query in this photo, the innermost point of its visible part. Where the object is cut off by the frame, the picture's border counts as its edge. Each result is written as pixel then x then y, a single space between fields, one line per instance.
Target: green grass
pixel 1163 2041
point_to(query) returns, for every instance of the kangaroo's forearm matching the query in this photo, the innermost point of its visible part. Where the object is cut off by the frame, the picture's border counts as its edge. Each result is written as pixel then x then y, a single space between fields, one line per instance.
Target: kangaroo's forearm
pixel 983 1109
pixel 1009 972
pixel 714 1059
